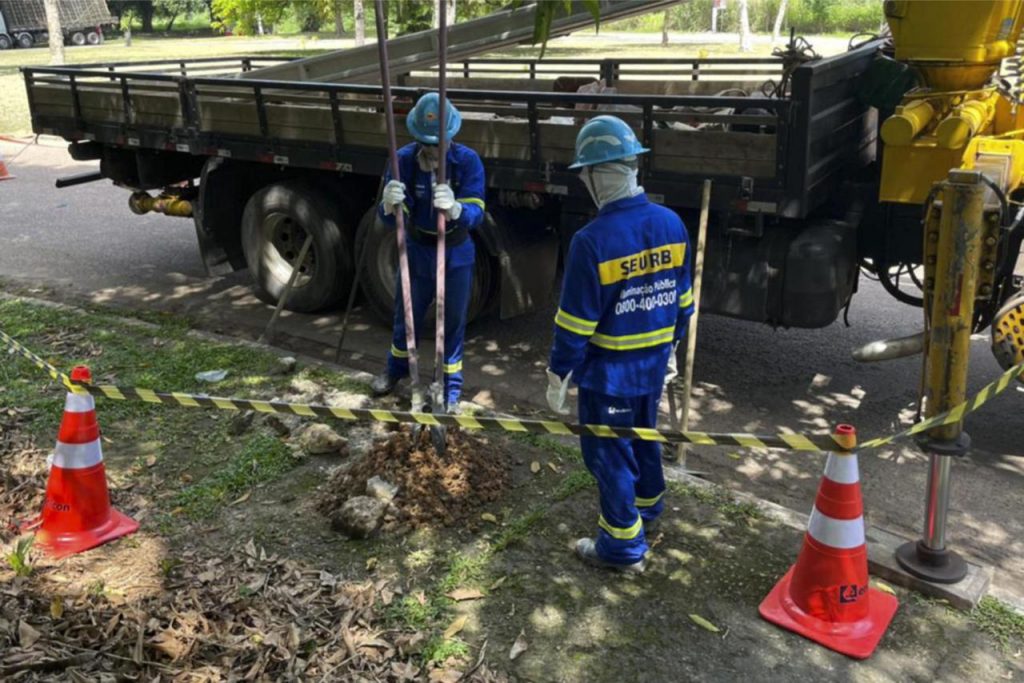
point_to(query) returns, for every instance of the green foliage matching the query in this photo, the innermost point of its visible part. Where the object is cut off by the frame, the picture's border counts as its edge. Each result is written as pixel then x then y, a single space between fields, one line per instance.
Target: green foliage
pixel 439 650
pixel 263 459
pixel 999 621
pixel 806 16
pixel 18 558
pixel 243 16
pixel 549 10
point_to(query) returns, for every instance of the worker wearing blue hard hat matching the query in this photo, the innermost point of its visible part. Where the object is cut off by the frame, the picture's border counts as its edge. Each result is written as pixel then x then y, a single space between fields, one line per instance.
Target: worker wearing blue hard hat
pixel 626 299
pixel 421 197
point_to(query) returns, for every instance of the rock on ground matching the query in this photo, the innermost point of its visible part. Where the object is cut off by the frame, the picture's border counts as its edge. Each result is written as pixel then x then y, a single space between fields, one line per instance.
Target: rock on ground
pixel 319 439
pixel 381 489
pixel 359 517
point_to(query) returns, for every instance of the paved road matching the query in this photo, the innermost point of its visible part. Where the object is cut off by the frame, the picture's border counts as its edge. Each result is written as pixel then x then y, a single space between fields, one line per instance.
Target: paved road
pixel 83 243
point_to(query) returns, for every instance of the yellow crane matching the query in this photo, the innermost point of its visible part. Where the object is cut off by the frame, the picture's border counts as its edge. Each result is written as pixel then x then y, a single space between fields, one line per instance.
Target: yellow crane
pixel 955 145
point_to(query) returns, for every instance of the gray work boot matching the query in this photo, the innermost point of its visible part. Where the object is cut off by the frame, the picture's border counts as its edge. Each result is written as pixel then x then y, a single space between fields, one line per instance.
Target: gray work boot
pixel 383 384
pixel 586 550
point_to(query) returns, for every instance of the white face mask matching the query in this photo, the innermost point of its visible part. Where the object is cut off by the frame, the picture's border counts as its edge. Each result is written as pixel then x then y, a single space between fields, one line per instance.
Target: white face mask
pixel 610 182
pixel 427 158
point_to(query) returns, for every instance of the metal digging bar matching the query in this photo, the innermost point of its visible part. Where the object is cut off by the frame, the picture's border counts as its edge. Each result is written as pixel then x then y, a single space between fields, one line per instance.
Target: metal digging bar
pixel 438 399
pixel 403 256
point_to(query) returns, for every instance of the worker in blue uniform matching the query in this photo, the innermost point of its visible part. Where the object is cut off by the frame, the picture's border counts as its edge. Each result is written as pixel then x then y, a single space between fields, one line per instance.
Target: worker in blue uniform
pixel 418 194
pixel 626 299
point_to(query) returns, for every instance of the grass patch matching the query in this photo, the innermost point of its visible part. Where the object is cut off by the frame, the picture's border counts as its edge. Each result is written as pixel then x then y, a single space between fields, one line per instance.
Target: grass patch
pixel 999 621
pixel 517 529
pixel 264 458
pixel 463 570
pixel 735 511
pixel 574 482
pixel 410 612
pixel 546 443
pixel 439 649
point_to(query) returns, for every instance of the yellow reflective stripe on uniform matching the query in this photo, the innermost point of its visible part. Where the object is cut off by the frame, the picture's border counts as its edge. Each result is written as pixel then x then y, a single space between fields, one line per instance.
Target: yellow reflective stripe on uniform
pixel 627 342
pixel 649 502
pixel 576 325
pixel 686 298
pixel 641 263
pixel 449 368
pixel 473 200
pixel 398 353
pixel 620 533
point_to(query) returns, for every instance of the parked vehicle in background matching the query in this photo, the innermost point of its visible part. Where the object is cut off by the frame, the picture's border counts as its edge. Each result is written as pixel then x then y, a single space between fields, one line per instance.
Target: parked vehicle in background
pixel 23 22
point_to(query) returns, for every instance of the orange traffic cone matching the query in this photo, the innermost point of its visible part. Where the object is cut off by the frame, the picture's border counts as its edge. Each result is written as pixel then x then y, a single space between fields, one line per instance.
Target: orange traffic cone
pixel 4 173
pixel 825 596
pixel 76 513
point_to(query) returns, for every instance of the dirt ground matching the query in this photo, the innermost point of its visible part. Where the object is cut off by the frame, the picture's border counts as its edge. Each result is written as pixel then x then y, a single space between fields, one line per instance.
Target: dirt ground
pixel 236 575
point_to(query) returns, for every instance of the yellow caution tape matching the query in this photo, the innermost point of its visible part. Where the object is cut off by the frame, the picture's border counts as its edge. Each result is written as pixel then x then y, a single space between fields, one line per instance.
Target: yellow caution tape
pixel 792 442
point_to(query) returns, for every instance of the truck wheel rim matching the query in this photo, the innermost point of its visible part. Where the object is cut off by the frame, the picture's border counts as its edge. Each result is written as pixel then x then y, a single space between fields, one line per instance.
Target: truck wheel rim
pixel 283 238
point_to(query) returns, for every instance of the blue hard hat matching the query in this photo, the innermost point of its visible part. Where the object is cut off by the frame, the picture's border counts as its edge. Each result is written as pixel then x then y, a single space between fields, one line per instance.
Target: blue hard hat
pixel 605 138
pixel 423 119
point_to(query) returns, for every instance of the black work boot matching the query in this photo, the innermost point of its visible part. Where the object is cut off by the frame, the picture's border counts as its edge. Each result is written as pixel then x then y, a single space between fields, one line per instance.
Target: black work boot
pixel 586 550
pixel 651 527
pixel 383 384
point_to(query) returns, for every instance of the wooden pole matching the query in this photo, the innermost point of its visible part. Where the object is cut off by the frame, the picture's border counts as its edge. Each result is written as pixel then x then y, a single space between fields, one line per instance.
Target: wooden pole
pixel 691 330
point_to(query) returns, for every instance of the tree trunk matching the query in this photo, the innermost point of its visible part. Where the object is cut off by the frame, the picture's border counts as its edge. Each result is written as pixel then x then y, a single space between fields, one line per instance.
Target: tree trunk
pixel 436 20
pixel 360 23
pixel 451 12
pixel 56 32
pixel 779 18
pixel 146 12
pixel 664 29
pixel 746 42
pixel 170 22
pixel 339 19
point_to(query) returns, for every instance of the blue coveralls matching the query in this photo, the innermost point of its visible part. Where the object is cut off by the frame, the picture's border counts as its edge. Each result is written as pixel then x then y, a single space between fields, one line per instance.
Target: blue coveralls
pixel 626 298
pixel 466 177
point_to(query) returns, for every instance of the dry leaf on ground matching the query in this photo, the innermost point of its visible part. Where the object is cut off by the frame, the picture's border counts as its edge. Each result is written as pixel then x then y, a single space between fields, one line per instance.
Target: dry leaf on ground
pixel 518 647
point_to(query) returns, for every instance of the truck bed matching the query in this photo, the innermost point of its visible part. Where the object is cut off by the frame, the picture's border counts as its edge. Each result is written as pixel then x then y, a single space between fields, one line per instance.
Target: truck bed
pixel 522 128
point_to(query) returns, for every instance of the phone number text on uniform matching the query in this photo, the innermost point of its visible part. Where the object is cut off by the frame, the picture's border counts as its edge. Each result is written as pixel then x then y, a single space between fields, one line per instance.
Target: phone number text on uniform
pixel 646 303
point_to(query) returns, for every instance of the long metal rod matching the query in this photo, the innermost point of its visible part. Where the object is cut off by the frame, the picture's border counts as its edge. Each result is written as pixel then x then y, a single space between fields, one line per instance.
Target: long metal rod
pixel 403 256
pixel 691 330
pixel 937 503
pixel 440 398
pixel 268 332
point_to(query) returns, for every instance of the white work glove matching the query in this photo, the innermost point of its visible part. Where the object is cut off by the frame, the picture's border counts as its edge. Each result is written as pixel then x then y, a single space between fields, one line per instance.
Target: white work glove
pixel 672 371
pixel 393 197
pixel 444 200
pixel 558 392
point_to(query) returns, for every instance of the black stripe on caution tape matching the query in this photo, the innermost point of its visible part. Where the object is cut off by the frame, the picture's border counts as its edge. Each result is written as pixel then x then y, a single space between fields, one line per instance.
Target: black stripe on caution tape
pixel 956 414
pixel 795 442
pixel 33 358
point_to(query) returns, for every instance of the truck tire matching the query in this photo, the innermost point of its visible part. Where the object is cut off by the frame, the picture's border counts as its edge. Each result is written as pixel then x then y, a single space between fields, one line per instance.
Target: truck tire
pixel 25 40
pixel 380 268
pixel 93 38
pixel 78 38
pixel 275 224
pixel 5 42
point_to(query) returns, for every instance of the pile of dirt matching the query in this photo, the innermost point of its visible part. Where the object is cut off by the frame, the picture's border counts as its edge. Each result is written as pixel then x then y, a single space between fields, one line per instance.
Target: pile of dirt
pixel 432 488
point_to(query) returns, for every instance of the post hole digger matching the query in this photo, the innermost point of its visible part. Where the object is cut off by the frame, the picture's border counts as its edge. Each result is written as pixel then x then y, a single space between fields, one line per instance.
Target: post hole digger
pixel 436 188
pixel 417 401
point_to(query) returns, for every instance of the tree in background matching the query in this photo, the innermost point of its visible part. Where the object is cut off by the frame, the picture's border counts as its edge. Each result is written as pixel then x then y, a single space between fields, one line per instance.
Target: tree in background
pixel 247 16
pixel 172 9
pixel 779 18
pixel 53 27
pixel 143 9
pixel 665 19
pixel 746 41
pixel 360 22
